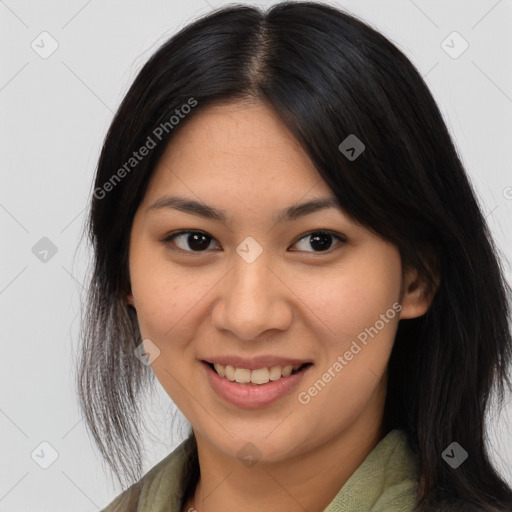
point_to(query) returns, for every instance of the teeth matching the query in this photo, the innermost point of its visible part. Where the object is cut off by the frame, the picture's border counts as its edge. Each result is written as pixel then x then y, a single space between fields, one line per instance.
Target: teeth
pixel 220 369
pixel 242 375
pixel 287 371
pixel 275 372
pixel 230 372
pixel 259 376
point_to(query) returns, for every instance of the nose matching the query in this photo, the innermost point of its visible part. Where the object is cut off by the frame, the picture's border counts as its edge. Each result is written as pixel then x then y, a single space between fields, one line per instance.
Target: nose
pixel 252 300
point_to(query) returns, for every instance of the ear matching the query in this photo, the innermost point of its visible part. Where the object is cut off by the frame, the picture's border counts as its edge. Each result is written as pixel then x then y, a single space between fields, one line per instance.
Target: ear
pixel 416 295
pixel 130 300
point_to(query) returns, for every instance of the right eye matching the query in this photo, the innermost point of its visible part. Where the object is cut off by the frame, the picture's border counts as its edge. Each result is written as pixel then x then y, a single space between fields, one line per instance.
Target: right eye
pixel 191 241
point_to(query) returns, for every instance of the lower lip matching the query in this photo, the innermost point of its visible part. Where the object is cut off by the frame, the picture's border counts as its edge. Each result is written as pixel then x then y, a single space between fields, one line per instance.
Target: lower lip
pixel 252 396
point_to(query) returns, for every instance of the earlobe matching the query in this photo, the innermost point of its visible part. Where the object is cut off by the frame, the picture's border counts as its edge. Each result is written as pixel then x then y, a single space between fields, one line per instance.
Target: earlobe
pixel 130 300
pixel 416 296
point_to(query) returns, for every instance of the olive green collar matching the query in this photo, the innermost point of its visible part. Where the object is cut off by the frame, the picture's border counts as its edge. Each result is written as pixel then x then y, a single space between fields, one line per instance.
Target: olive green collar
pixel 386 480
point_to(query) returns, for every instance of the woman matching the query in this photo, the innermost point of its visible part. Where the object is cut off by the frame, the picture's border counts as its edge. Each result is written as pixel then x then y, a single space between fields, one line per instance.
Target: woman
pixel 285 237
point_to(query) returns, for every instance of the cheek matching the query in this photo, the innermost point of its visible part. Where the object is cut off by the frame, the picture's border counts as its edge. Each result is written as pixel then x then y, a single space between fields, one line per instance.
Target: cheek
pixel 168 301
pixel 351 297
pixel 162 302
pixel 360 305
pixel 168 298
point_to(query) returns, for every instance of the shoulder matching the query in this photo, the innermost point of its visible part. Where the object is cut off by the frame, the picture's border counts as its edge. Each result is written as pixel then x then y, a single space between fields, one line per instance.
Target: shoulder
pixel 127 501
pixel 158 490
pixel 386 480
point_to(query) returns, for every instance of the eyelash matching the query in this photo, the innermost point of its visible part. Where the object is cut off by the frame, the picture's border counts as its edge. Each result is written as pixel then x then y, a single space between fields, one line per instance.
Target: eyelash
pixel 170 238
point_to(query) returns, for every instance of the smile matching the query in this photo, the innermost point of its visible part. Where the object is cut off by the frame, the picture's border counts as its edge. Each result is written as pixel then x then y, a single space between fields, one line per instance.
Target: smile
pixel 260 386
pixel 258 376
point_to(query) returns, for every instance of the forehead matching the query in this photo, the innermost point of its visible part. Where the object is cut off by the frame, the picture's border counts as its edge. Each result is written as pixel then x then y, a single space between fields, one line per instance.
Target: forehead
pixel 240 146
pixel 249 124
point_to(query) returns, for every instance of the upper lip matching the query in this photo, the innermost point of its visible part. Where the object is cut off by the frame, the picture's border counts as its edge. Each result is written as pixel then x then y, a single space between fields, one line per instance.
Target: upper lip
pixel 265 361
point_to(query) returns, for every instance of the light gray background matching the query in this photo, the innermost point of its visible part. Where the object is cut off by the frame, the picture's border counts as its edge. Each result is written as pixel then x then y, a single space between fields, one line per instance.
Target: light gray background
pixel 54 115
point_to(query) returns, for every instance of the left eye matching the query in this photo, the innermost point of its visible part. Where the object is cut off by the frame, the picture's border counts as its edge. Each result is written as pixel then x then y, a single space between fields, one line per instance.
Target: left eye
pixel 198 241
pixel 320 240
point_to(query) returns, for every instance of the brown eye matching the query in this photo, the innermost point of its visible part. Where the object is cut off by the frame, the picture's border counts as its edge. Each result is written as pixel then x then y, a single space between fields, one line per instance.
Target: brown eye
pixel 190 241
pixel 198 241
pixel 319 241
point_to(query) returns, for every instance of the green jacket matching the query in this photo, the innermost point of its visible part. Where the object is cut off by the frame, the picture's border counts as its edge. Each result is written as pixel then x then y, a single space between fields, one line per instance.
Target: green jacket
pixel 384 482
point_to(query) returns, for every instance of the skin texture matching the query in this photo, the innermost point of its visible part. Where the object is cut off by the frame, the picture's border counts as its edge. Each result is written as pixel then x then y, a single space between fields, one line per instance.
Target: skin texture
pixel 292 301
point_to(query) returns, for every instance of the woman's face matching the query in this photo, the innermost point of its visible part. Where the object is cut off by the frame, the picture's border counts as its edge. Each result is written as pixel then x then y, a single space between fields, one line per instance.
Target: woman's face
pixel 260 291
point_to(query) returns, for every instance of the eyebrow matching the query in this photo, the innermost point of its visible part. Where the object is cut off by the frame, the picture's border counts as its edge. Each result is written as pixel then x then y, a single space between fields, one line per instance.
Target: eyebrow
pixel 291 213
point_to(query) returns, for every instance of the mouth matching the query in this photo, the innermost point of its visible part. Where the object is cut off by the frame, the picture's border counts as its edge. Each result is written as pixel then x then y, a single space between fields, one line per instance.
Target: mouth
pixel 257 376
